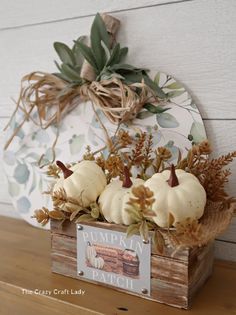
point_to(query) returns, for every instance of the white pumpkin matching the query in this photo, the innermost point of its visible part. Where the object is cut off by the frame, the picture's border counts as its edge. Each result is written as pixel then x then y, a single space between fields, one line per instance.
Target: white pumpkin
pixel 113 200
pixel 90 251
pixel 84 181
pixel 178 196
pixel 97 262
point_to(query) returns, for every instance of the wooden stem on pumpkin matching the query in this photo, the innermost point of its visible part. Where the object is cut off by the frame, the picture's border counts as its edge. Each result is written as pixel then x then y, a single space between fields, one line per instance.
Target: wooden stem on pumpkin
pixel 127 182
pixel 66 171
pixel 173 180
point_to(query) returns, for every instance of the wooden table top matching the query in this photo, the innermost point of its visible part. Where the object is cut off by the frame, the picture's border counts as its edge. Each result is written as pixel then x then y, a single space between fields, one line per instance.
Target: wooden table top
pixel 25 264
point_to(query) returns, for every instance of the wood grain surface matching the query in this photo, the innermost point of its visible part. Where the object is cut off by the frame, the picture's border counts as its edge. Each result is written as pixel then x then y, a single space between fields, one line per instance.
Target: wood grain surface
pixel 25 264
pixel 192 40
pixel 42 12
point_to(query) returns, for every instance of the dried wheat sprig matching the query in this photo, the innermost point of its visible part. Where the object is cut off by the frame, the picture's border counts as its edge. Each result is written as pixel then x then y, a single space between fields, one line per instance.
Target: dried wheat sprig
pixel 147 155
pixel 162 155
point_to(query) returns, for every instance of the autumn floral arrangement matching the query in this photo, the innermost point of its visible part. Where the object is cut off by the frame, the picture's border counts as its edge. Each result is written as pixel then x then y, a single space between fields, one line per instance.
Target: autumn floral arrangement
pixel 177 205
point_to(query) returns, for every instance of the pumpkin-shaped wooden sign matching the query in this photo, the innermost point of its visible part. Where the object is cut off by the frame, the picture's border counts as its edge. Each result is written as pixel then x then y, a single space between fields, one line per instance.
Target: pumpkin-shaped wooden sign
pixel 175 128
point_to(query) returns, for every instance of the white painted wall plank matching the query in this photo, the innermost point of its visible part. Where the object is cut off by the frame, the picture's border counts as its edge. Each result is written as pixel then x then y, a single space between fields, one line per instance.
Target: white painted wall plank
pixel 222 135
pixel 225 250
pixel 229 234
pixel 28 12
pixel 193 40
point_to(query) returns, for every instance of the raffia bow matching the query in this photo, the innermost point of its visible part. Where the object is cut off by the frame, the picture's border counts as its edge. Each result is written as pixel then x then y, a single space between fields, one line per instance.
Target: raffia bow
pixel 52 98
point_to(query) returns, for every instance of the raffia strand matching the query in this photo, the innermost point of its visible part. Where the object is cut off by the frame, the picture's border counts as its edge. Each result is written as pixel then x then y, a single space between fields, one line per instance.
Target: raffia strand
pixel 51 98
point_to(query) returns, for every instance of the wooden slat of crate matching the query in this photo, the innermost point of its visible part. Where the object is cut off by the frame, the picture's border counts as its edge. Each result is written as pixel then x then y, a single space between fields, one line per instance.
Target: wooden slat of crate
pixel 162 291
pixel 174 281
pixel 69 229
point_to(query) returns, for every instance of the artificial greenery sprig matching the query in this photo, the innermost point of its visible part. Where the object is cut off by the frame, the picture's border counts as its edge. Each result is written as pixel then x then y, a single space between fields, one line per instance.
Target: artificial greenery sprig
pixel 71 62
pixel 105 59
pixel 118 89
pixel 140 210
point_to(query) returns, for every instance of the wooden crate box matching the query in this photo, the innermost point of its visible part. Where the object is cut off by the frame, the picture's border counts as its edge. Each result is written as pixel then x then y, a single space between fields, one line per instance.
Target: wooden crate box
pixel 175 277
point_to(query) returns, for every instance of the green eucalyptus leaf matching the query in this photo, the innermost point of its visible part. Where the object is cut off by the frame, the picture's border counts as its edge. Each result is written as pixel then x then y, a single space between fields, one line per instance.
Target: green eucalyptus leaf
pixel 76 51
pixel 197 132
pixel 117 75
pixel 166 120
pixel 174 86
pixel 88 55
pixel 115 55
pixel 131 77
pixel 70 73
pixel 154 87
pixel 64 53
pixel 57 65
pixel 23 205
pixel 144 114
pixel 107 51
pixel 77 68
pixel 21 173
pixel 175 94
pixel 62 76
pixel 157 78
pixel 124 66
pixel 106 75
pixel 99 33
pixel 122 53
pixel 129 72
pixel 155 109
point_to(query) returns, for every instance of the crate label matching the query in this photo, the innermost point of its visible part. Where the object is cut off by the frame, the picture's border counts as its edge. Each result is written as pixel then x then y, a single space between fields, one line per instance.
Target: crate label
pixel 111 258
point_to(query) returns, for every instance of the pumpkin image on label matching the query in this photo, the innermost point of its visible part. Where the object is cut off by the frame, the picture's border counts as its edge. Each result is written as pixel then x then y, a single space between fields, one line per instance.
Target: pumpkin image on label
pixel 92 257
pixel 178 196
pixel 90 251
pixel 114 198
pixel 107 256
pixel 84 181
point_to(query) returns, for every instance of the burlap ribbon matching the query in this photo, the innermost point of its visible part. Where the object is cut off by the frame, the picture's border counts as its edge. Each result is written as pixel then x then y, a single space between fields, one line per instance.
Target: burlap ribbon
pixel 215 221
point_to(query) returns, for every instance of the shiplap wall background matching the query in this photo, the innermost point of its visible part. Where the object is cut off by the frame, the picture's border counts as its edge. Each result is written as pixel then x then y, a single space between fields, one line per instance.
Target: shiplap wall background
pixel 195 40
